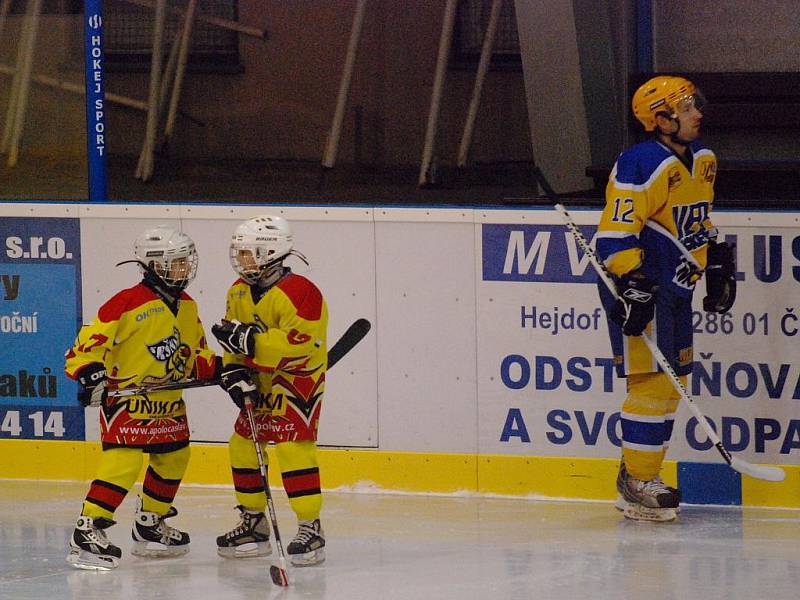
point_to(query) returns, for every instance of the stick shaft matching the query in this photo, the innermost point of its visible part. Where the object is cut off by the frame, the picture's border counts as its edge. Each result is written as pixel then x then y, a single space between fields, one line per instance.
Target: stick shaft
pixel 262 467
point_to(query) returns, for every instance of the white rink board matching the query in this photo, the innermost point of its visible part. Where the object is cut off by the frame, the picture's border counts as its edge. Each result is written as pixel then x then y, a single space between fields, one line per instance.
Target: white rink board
pixel 426 336
pixel 453 362
pixel 342 261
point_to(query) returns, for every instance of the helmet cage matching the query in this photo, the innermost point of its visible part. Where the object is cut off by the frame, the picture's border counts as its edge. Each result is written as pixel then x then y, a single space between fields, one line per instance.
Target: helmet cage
pixel 171 254
pixel 258 245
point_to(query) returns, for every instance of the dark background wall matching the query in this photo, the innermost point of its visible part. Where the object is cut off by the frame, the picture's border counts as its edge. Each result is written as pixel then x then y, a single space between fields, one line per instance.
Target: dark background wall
pixel 277 102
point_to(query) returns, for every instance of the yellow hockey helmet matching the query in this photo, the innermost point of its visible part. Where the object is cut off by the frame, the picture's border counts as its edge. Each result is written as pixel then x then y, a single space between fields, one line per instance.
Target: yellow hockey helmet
pixel 662 94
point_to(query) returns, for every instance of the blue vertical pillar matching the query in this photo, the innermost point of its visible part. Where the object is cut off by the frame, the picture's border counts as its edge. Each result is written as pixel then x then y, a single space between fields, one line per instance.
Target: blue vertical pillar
pixel 95 99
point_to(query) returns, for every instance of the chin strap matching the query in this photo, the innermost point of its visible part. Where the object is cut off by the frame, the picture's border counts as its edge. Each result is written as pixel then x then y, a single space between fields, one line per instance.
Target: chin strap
pixel 168 293
pixel 271 276
pixel 674 135
pixel 275 272
pixel 676 140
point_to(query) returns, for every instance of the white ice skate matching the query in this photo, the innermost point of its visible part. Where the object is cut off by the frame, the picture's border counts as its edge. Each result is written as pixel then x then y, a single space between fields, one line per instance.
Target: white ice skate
pixel 89 546
pixel 248 539
pixel 308 546
pixel 153 538
pixel 646 500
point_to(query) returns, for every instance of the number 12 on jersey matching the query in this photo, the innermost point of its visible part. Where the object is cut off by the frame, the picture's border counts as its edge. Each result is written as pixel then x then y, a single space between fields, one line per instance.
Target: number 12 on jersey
pixel 623 208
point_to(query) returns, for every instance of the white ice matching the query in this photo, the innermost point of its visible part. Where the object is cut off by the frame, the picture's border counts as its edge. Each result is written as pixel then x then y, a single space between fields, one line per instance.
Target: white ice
pixel 413 547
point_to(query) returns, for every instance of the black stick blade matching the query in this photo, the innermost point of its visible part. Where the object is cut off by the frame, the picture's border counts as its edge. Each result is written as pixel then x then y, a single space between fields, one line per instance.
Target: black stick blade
pixel 354 334
pixel 278 576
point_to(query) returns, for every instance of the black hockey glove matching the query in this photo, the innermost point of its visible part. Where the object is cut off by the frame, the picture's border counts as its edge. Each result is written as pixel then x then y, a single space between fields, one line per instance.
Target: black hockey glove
pixel 92 379
pixel 720 278
pixel 236 337
pixel 636 304
pixel 237 380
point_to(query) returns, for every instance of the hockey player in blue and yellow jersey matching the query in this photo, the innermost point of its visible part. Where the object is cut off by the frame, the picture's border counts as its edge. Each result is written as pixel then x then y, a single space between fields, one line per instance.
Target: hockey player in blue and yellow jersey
pixel 656 237
pixel 148 333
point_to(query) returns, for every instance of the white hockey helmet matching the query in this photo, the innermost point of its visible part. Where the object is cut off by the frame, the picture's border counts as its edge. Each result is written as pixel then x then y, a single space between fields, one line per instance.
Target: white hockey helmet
pixel 170 253
pixel 259 244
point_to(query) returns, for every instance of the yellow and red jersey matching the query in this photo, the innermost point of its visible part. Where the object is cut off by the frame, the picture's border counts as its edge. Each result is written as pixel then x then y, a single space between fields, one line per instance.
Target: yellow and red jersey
pixel 291 356
pixel 141 341
pixel 657 214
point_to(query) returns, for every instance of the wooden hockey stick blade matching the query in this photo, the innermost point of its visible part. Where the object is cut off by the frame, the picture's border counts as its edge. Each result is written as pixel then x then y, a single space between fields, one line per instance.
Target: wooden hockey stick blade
pixel 278 576
pixel 354 334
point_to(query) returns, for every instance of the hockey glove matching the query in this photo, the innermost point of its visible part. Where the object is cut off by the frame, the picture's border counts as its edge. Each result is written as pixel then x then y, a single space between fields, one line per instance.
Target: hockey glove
pixel 636 304
pixel 238 382
pixel 720 278
pixel 236 337
pixel 92 379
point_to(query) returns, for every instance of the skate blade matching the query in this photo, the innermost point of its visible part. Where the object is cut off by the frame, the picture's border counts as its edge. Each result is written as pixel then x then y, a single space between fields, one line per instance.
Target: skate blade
pixel 309 559
pixel 620 503
pixel 248 550
pixel 637 512
pixel 87 561
pixel 157 550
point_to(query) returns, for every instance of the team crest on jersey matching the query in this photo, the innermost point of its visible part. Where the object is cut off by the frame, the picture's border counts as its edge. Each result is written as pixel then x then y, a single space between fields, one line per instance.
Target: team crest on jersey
pixel 674 179
pixel 163 350
pixel 686 274
pixel 690 224
pixel 709 172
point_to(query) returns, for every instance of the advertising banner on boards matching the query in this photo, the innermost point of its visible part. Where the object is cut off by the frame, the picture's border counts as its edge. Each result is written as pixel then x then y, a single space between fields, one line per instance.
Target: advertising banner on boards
pixel 550 388
pixel 41 312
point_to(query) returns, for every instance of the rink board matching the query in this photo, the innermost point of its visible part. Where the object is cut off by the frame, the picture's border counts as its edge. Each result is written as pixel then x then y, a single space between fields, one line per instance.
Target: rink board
pixel 487 370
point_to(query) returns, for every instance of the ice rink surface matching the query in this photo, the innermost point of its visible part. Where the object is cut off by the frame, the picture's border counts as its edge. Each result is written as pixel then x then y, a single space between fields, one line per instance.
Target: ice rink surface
pixel 386 546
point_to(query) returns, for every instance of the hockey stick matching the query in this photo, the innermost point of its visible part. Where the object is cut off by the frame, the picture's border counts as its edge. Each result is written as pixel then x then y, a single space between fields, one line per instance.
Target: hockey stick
pixel 354 334
pixel 276 572
pixel 764 472
pixel 162 387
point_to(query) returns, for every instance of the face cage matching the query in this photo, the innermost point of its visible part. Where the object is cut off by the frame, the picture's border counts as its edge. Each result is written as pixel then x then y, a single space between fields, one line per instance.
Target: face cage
pixel 185 273
pixel 253 272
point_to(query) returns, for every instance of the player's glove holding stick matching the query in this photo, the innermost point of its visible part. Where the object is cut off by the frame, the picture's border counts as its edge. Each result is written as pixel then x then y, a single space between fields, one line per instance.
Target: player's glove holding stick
pixel 636 304
pixel 93 382
pixel 237 380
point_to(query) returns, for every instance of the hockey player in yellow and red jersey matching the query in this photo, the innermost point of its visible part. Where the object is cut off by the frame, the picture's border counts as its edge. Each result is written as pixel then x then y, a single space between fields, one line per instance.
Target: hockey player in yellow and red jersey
pixel 147 334
pixel 275 337
pixel 656 237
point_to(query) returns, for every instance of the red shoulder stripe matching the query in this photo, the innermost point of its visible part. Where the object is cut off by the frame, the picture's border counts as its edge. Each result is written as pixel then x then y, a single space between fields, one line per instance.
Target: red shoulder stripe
pixel 305 296
pixel 124 301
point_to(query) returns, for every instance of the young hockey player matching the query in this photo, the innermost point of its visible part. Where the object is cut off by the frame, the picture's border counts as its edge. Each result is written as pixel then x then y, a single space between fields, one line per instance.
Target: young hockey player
pixel 656 237
pixel 149 333
pixel 274 334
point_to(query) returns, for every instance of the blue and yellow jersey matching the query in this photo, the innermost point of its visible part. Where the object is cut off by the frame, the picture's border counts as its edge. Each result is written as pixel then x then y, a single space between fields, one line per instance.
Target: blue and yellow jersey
pixel 657 215
pixel 141 341
pixel 291 354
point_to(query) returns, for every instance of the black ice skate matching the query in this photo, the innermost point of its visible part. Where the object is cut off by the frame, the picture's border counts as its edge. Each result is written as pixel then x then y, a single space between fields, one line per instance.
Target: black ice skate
pixel 154 538
pixel 308 546
pixel 248 539
pixel 89 546
pixel 646 500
